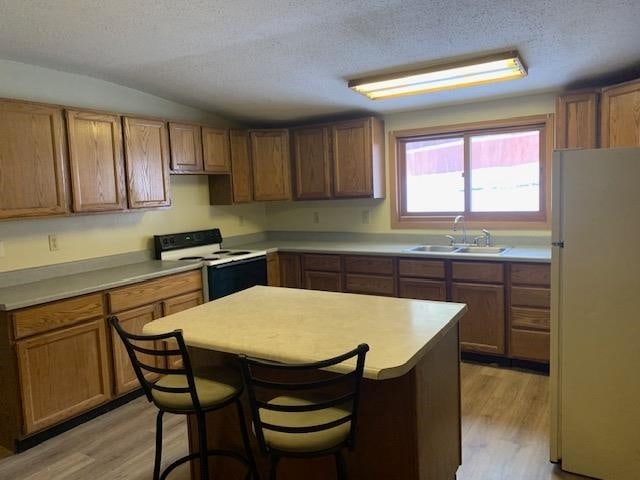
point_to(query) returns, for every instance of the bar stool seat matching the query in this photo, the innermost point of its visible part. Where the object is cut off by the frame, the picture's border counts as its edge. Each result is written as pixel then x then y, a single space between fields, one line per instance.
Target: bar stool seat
pixel 215 385
pixel 304 442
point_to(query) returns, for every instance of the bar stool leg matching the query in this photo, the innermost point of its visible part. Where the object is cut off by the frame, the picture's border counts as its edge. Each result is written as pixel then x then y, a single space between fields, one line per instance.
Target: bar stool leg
pixel 341 467
pixel 247 443
pixel 202 438
pixel 158 458
pixel 273 475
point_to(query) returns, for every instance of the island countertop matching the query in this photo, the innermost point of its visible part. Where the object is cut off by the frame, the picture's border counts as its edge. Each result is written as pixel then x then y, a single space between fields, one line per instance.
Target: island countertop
pixel 292 325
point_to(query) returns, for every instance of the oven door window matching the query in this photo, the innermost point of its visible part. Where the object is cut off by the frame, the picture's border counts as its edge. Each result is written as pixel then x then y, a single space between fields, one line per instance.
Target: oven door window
pixel 235 276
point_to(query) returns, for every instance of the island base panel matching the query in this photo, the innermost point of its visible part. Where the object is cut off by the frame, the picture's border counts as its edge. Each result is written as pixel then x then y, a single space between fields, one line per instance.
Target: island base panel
pixel 409 427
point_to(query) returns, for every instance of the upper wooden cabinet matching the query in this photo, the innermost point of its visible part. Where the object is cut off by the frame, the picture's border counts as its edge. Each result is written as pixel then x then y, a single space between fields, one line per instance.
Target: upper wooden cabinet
pixel 242 173
pixel 96 161
pixel 186 147
pixel 577 120
pixel 358 158
pixel 620 116
pixel 271 164
pixel 215 149
pixel 32 160
pixel 146 146
pixel 312 162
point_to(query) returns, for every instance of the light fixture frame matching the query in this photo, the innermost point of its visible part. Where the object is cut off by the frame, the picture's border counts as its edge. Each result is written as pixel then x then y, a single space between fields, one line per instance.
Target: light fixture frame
pixel 508 55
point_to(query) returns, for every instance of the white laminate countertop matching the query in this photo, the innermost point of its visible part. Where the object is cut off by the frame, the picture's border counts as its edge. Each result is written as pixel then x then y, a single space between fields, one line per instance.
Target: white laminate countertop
pixel 57 288
pixel 292 325
pixel 514 254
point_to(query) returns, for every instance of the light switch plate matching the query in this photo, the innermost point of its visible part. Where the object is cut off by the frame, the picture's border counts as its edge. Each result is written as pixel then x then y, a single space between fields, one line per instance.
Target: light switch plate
pixel 53 243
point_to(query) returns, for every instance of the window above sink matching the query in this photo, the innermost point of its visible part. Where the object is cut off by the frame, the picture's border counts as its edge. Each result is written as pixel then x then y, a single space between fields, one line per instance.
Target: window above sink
pixel 496 174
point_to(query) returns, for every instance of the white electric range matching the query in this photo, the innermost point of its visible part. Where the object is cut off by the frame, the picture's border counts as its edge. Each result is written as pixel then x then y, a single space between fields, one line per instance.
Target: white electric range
pixel 224 271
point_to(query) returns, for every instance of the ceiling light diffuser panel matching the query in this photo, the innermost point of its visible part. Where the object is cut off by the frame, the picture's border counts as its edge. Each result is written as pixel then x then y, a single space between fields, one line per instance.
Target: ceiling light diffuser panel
pixel 488 69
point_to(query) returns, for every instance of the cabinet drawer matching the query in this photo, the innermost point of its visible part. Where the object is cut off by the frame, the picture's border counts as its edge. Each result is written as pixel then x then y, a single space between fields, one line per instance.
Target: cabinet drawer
pixel 478 271
pixel 529 345
pixel 55 315
pixel 321 263
pixel 325 281
pixel 530 297
pixel 530 318
pixel 153 290
pixel 421 268
pixel 531 274
pixel 420 289
pixel 366 264
pixel 372 284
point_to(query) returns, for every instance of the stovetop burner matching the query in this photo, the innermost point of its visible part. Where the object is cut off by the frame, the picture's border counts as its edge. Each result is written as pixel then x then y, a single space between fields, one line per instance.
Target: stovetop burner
pixel 211 258
pixel 241 252
pixel 222 251
pixel 191 258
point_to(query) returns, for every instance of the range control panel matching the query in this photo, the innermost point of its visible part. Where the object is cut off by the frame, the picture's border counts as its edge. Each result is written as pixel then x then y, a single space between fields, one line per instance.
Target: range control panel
pixel 175 241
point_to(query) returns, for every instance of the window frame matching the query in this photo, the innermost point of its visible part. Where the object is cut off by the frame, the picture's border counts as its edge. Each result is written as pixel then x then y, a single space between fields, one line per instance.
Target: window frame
pixel 400 218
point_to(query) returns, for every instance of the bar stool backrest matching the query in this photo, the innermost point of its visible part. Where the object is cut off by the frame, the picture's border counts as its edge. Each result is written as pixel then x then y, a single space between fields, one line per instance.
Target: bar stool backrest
pixel 339 390
pixel 143 348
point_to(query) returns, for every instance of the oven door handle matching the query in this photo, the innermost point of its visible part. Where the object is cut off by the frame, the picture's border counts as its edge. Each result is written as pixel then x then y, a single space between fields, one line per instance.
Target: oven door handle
pixel 238 262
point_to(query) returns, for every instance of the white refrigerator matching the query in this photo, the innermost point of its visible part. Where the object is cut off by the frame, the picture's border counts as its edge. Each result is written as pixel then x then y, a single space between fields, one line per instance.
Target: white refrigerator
pixel 595 317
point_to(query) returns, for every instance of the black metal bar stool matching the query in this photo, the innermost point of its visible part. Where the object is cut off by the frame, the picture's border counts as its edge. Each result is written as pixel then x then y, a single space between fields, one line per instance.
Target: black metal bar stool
pixel 183 391
pixel 305 419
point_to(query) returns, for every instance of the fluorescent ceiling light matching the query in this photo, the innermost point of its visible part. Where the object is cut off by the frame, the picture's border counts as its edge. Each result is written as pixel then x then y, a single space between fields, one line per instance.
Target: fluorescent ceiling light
pixel 494 68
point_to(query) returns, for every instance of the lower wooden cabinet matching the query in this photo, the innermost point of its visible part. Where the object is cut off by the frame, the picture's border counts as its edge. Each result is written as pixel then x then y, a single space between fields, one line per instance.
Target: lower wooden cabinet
pixel 290 270
pixel 326 281
pixel 370 284
pixel 482 327
pixel 421 289
pixel 63 373
pixel 175 305
pixel 273 269
pixel 132 321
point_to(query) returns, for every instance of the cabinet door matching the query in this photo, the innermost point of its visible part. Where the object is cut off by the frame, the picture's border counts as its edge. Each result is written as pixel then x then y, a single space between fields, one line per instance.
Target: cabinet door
pixel 146 147
pixel 241 170
pixel 186 147
pixel 63 373
pixel 620 122
pixel 421 289
pixel 325 281
pixel 32 160
pixel 482 327
pixel 273 269
pixel 97 163
pixel 577 120
pixel 175 305
pixel 271 165
pixel 215 149
pixel 312 162
pixel 132 321
pixel 290 271
pixel 352 159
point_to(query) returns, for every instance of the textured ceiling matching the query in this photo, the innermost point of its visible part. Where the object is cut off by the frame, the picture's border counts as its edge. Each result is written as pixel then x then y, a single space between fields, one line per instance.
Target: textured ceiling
pixel 278 60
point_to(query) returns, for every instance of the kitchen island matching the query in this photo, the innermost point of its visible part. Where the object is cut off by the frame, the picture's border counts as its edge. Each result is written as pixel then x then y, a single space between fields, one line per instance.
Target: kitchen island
pixel 409 425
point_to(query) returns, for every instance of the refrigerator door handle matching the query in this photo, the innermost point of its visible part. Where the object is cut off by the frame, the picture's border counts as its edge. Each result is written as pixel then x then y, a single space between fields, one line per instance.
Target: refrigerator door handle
pixel 558 244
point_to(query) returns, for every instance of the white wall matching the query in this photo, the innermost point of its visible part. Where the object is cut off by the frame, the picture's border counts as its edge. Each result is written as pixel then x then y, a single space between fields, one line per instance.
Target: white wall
pixel 347 215
pixel 80 237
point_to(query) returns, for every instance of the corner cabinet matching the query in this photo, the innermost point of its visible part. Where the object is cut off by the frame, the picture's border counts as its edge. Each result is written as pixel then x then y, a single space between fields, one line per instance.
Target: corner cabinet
pixel 215 150
pixel 186 147
pixel 96 161
pixel 146 146
pixel 358 158
pixel 32 160
pixel 241 170
pixel 271 164
pixel 577 120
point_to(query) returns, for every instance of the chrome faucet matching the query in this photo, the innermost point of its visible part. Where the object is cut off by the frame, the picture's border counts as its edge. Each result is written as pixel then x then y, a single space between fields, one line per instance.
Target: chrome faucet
pixel 487 237
pixel 456 221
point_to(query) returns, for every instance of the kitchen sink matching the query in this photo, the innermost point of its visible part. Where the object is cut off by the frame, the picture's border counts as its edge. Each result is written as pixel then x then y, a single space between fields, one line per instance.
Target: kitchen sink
pixel 433 248
pixel 483 250
pixel 458 249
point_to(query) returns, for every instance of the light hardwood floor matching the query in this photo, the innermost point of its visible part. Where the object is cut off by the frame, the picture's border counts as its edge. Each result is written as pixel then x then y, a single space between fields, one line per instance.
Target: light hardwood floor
pixel 505 431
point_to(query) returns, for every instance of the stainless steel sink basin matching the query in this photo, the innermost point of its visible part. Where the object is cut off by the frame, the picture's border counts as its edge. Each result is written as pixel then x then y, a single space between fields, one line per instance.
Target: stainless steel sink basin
pixel 433 248
pixel 483 250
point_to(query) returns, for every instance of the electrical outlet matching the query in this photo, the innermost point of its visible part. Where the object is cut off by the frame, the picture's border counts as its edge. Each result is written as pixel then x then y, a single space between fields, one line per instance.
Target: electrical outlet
pixel 53 243
pixel 241 220
pixel 1 249
pixel 365 217
pixel 316 217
